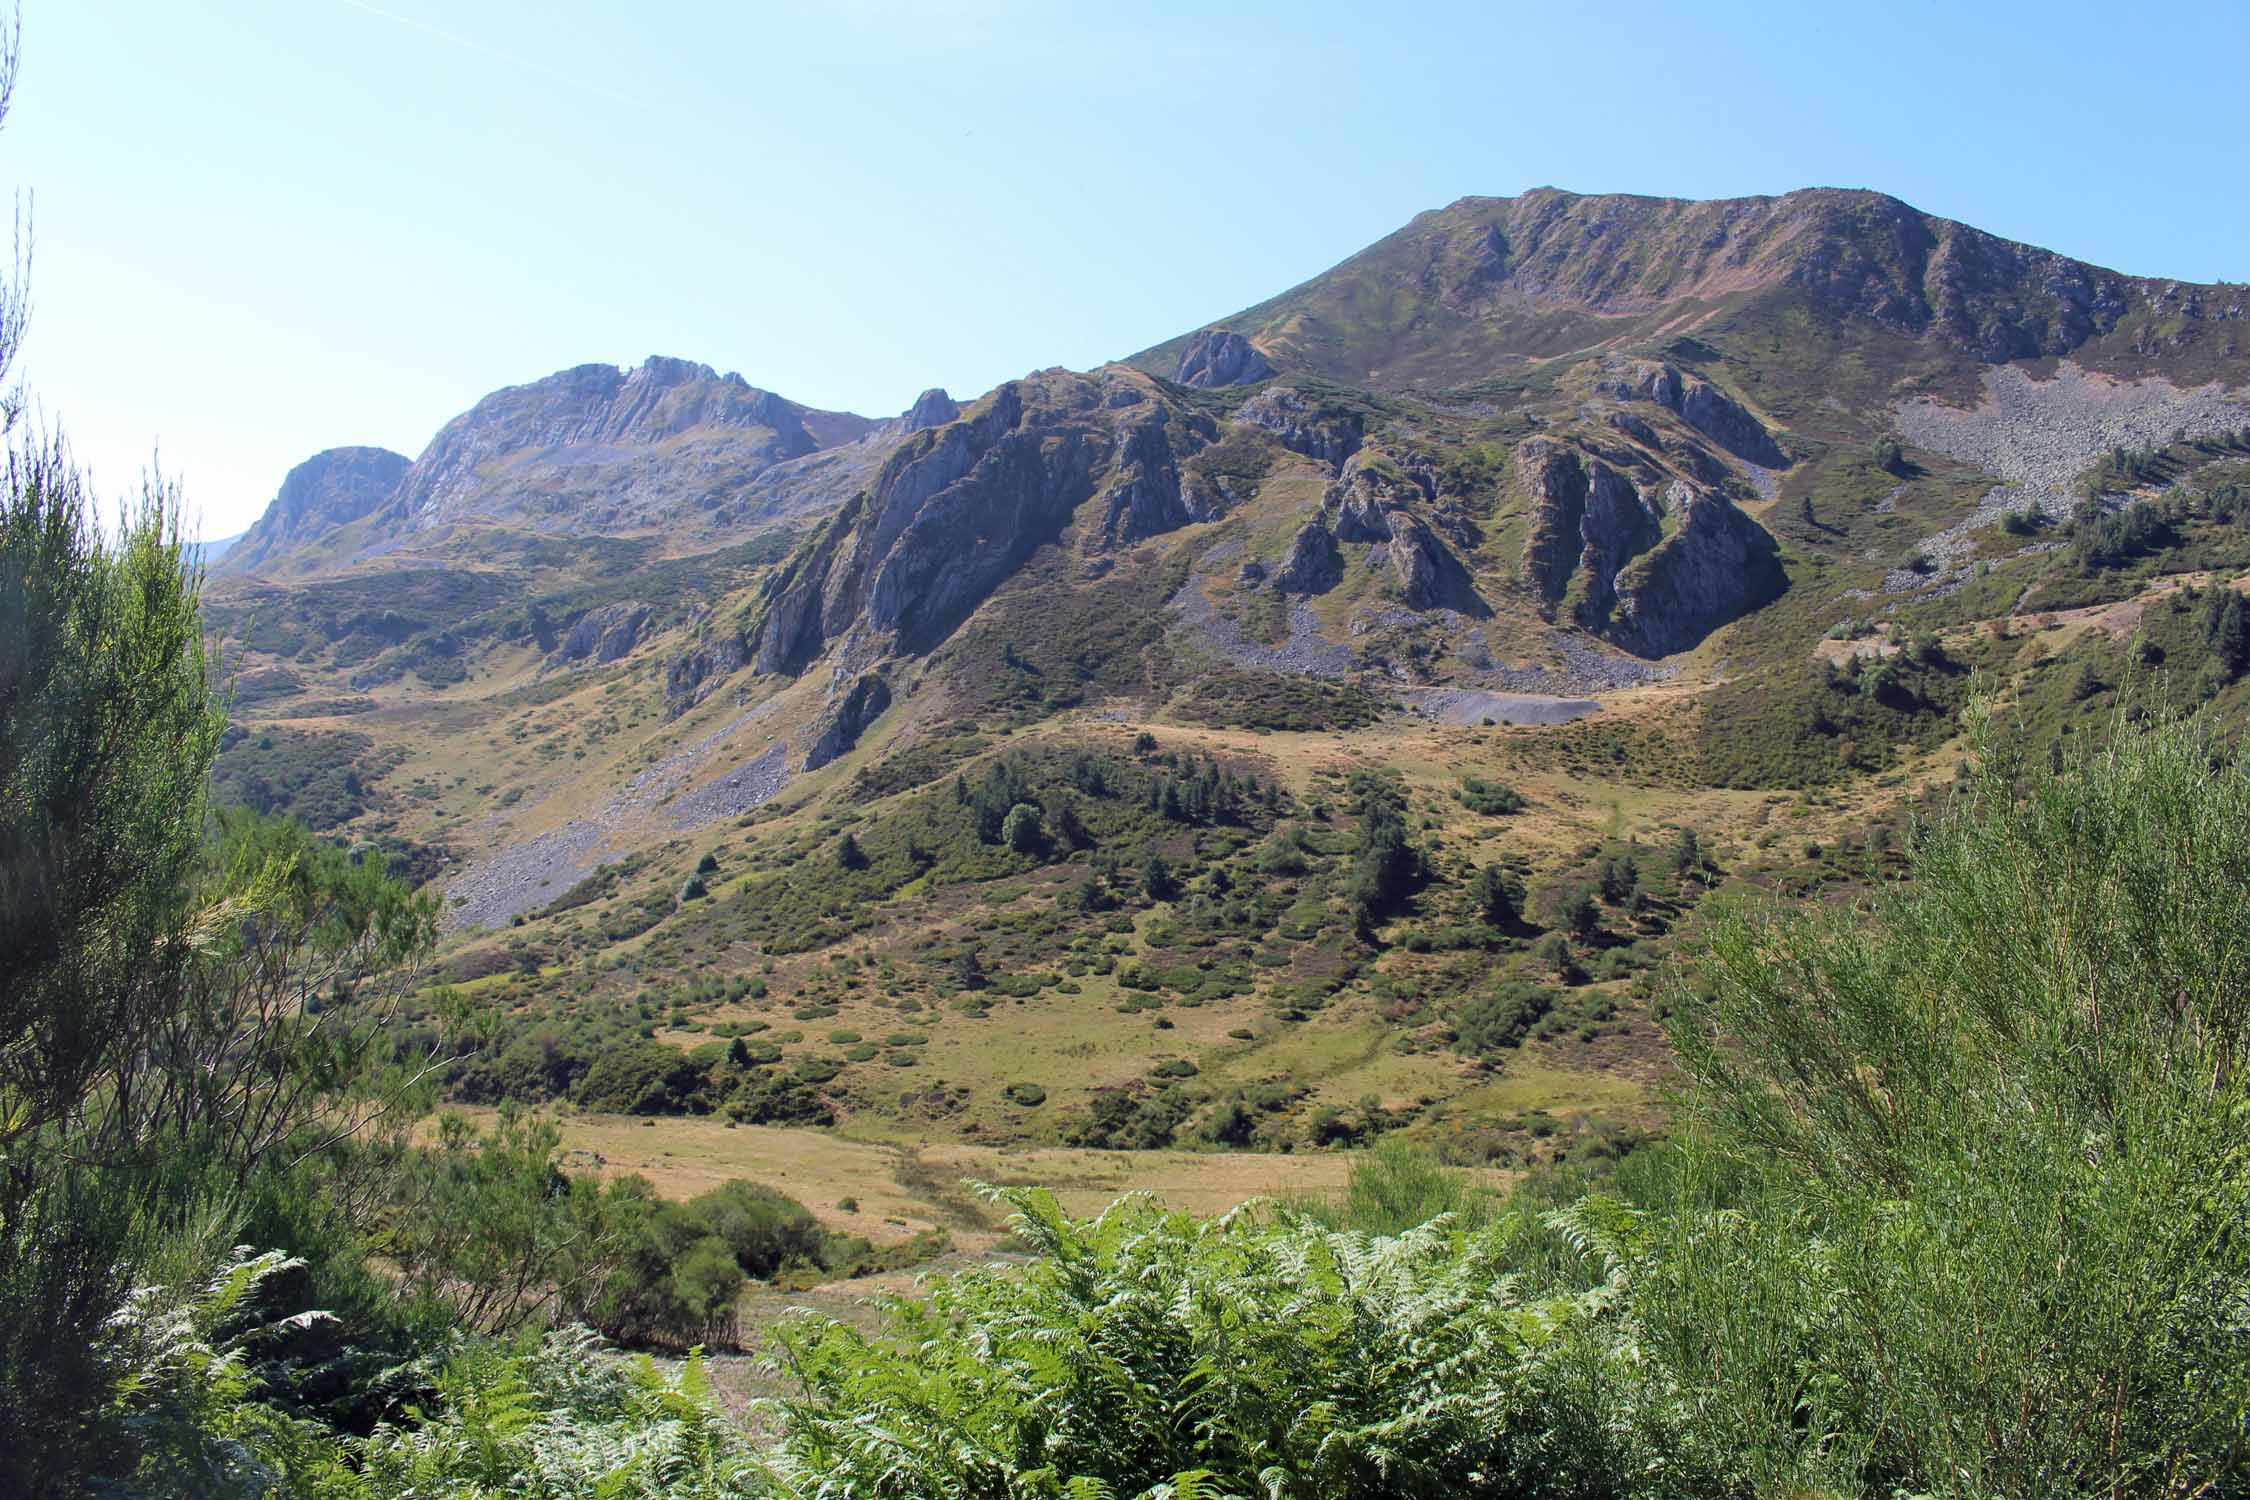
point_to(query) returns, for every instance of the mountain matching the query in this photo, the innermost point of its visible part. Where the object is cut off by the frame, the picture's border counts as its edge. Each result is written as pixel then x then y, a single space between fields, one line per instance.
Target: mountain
pixel 598 449
pixel 1607 543
pixel 326 492
pixel 671 447
pixel 1490 285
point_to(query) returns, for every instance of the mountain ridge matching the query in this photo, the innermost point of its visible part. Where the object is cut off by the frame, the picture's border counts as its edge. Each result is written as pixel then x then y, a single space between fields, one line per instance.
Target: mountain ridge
pixel 1548 272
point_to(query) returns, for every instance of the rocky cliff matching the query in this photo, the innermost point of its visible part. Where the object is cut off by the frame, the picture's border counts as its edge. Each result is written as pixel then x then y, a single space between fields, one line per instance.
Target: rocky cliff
pixel 1216 357
pixel 1652 562
pixel 597 448
pixel 956 509
pixel 325 492
pixel 1714 565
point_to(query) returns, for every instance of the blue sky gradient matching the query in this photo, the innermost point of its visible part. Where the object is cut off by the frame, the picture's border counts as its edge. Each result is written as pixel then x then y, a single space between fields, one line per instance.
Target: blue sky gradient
pixel 266 227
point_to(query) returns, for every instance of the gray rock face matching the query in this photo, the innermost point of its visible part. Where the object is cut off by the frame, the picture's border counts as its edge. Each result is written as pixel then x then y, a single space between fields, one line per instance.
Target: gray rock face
pixel 1301 426
pixel 1716 565
pixel 1554 479
pixel 1370 485
pixel 957 509
pixel 1375 499
pixel 1145 500
pixel 839 730
pixel 1360 518
pixel 1655 574
pixel 599 448
pixel 1618 525
pixel 603 635
pixel 326 491
pixel 1417 560
pixel 1314 566
pixel 1216 357
pixel 690 676
pixel 1429 575
pixel 1703 407
pixel 933 408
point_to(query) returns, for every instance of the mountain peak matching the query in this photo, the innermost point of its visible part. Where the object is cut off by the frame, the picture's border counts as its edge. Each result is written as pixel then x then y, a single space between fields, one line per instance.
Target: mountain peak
pixel 1486 282
pixel 332 488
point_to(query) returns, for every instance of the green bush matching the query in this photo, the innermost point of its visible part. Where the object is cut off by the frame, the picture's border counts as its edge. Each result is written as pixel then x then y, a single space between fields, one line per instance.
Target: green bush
pixel 1503 1019
pixel 1488 797
pixel 642 1077
pixel 1987 1141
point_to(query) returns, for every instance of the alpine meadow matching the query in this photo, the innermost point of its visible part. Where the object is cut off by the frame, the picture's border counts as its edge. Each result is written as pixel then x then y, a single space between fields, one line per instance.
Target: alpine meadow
pixel 1604 852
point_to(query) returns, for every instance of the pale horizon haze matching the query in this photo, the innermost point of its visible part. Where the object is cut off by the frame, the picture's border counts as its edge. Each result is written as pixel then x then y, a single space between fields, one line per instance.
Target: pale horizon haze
pixel 268 228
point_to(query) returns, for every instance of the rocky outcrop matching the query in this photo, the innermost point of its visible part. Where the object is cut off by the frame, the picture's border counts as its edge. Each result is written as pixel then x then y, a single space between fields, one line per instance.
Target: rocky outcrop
pixel 603 635
pixel 847 719
pixel 1715 566
pixel 957 509
pixel 1554 482
pixel 690 676
pixel 933 408
pixel 1360 518
pixel 1302 426
pixel 1207 497
pixel 1216 357
pixel 1146 497
pixel 1371 484
pixel 1618 525
pixel 325 492
pixel 1314 565
pixel 1374 500
pixel 1702 406
pixel 1429 575
pixel 1654 570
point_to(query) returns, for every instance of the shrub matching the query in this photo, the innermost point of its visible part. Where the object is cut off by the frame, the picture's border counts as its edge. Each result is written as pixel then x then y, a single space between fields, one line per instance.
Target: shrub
pixel 2005 1099
pixel 1500 1020
pixel 641 1077
pixel 1488 797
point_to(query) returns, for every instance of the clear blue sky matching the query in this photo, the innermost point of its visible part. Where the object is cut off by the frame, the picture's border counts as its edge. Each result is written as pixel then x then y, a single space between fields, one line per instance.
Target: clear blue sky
pixel 267 227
